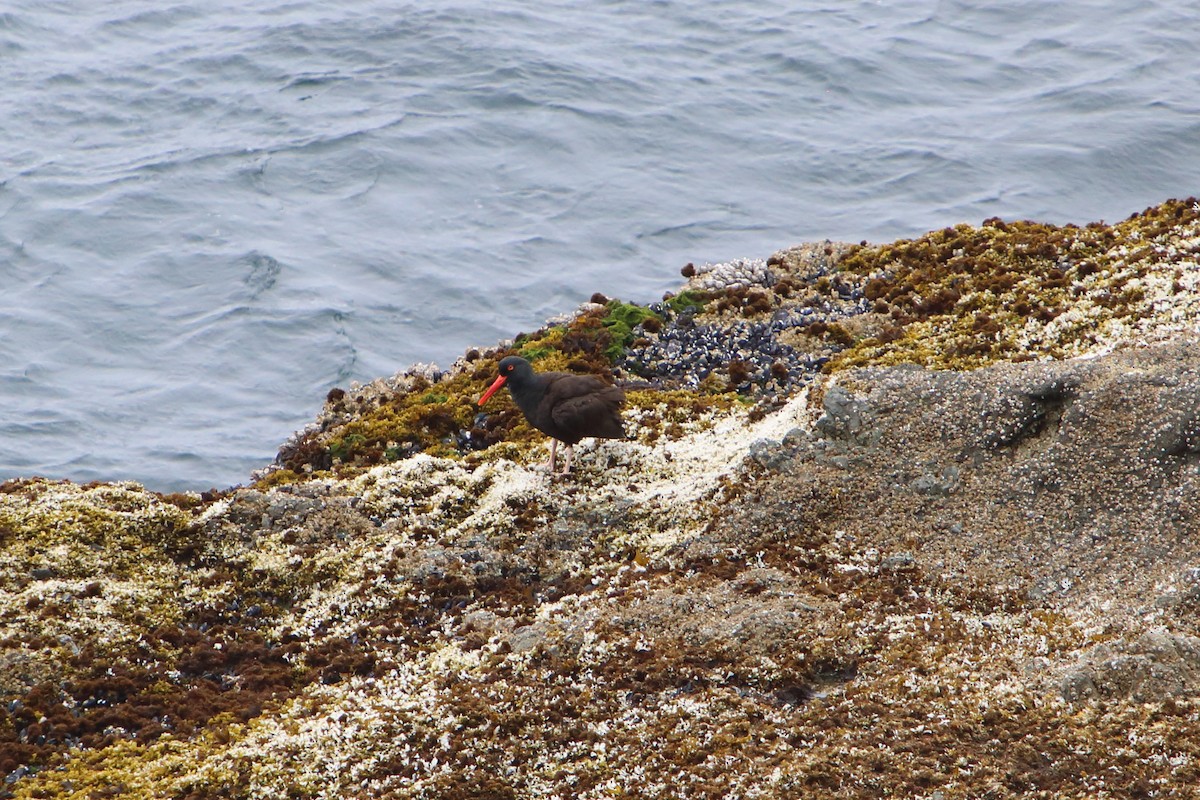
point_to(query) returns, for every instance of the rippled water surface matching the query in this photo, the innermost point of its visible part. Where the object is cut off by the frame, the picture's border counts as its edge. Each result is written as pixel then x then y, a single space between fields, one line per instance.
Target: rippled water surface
pixel 211 213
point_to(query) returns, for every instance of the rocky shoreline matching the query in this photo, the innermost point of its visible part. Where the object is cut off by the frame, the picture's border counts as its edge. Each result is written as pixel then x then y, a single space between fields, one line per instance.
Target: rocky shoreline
pixel 917 519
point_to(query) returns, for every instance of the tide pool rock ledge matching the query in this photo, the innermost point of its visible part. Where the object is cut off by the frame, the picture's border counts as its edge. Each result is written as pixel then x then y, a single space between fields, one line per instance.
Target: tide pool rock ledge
pixel 912 520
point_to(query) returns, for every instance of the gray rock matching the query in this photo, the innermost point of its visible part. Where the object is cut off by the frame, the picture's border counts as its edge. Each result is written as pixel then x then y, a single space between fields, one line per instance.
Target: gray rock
pixel 769 454
pixel 849 421
pixel 898 561
pixel 941 482
pixel 1154 666
pixel 527 638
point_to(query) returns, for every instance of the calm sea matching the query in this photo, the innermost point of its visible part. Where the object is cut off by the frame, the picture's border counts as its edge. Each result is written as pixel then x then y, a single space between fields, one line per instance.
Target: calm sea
pixel 212 212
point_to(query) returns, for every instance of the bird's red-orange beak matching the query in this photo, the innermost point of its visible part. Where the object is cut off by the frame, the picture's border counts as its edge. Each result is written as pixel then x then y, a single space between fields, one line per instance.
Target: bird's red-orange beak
pixel 491 390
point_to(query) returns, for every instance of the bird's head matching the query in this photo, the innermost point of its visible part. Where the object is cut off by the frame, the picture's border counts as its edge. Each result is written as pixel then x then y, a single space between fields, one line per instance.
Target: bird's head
pixel 512 365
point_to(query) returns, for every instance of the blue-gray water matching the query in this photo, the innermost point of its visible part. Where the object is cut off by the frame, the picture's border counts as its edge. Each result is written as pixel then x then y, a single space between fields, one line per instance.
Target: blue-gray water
pixel 212 212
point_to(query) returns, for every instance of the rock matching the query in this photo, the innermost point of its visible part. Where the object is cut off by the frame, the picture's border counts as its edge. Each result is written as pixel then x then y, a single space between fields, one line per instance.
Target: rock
pixel 769 454
pixel 527 638
pixel 743 597
pixel 941 482
pixel 903 560
pixel 845 416
pixel 1155 666
pixel 736 274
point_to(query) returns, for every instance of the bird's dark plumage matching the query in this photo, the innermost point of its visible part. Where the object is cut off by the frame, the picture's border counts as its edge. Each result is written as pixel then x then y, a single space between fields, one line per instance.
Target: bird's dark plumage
pixel 562 405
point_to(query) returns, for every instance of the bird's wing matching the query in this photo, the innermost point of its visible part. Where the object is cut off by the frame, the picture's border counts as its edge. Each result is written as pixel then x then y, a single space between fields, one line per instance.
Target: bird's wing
pixel 594 410
pixel 566 386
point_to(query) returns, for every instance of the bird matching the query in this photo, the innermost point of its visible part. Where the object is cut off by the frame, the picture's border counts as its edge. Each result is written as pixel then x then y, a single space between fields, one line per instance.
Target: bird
pixel 564 406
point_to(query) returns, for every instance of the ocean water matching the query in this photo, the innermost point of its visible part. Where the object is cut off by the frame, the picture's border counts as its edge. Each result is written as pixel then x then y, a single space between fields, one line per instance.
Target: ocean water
pixel 212 213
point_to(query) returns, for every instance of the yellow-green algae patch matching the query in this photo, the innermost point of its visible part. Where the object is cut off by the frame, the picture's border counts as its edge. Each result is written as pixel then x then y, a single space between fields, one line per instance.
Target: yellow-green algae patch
pixel 79 562
pixel 438 414
pixel 64 528
pixel 120 623
pixel 965 297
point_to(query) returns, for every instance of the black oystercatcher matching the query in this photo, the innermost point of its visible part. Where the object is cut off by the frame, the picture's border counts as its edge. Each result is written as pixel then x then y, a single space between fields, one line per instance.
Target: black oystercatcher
pixel 563 406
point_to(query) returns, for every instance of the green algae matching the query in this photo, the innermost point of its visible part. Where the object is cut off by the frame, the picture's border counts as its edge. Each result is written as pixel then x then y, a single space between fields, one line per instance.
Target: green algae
pixel 543 344
pixel 621 319
pixel 688 301
pixel 668 413
pixel 287 477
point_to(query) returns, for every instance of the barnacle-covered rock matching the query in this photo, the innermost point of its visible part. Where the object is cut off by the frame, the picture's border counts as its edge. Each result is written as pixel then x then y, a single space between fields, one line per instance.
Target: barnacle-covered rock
pixel 906 520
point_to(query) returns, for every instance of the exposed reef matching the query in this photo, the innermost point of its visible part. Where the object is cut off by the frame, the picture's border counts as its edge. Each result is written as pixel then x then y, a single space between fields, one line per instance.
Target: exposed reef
pixel 913 520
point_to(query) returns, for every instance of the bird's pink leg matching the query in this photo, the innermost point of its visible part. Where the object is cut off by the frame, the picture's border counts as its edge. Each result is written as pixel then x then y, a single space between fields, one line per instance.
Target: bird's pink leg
pixel 567 468
pixel 553 452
